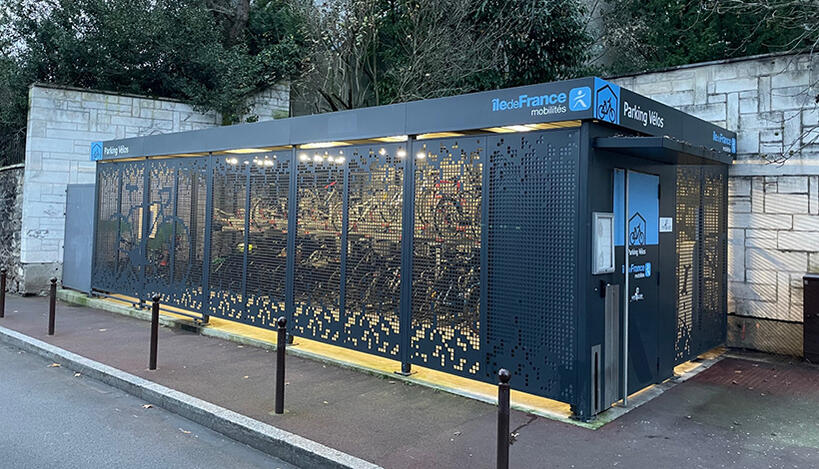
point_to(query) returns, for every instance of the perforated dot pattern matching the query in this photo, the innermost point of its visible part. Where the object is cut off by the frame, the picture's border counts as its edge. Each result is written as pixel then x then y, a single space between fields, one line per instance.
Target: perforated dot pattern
pixel 531 325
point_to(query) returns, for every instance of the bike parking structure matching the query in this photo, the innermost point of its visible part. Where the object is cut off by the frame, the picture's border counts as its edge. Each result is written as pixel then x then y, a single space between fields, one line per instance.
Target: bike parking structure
pixel 454 242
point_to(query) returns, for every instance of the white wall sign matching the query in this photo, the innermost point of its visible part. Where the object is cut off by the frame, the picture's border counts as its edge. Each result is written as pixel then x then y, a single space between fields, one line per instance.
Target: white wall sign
pixel 666 224
pixel 603 243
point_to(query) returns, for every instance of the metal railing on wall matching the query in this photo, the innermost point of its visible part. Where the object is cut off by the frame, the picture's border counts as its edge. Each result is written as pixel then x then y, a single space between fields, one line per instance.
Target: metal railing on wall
pixel 12 147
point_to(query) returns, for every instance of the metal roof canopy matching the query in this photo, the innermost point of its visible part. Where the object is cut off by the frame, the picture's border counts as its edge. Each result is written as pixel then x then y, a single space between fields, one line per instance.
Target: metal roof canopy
pixel 663 149
pixel 579 99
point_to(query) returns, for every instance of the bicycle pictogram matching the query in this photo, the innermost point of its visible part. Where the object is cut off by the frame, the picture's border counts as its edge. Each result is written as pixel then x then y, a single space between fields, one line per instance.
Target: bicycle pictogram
pixel 606 111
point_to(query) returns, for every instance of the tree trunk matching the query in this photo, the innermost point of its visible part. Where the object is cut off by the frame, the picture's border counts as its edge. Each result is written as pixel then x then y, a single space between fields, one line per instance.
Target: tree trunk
pixel 237 29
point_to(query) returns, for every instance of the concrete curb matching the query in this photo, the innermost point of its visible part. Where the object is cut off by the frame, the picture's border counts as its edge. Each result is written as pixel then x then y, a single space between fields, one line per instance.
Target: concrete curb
pixel 266 438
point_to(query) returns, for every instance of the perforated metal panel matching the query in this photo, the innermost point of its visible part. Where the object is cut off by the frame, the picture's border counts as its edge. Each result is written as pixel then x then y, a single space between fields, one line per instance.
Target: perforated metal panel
pixel 372 290
pixel 711 326
pixel 688 221
pixel 446 326
pixel 127 276
pixel 189 234
pixel 531 312
pixel 267 238
pixel 227 246
pixel 317 282
pixel 701 254
pixel 159 242
pixel 106 240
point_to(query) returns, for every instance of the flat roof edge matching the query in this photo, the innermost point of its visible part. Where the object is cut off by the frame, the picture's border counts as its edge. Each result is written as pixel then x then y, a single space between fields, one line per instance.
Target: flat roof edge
pixel 579 99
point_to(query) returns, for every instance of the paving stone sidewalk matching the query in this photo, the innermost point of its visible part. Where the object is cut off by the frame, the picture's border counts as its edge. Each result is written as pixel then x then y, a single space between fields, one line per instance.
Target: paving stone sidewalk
pixel 739 413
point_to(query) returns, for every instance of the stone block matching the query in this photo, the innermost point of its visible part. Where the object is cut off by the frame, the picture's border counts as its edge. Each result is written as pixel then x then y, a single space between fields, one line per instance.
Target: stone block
pixel 652 87
pixel 761 243
pixel 732 111
pixel 748 105
pixel 748 141
pixel 806 223
pixel 809 137
pixel 45 144
pixel 739 186
pixel 813 194
pixel 765 234
pixel 770 136
pixel 792 184
pixel 771 150
pixel 798 241
pixel 813 262
pixel 739 204
pixel 736 255
pixel 757 195
pixel 752 291
pixel 786 203
pixel 792 130
pixel 795 98
pixel 736 85
pixel 791 79
pixel 709 112
pixel 146 113
pixel 767 259
pixel 767 277
pixel 764 94
pixel 36 275
pixel 717 98
pixel 760 221
pixel 810 117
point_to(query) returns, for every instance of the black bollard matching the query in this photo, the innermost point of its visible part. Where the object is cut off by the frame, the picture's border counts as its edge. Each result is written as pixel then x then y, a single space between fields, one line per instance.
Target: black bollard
pixel 281 344
pixel 503 418
pixel 52 305
pixel 154 331
pixel 3 273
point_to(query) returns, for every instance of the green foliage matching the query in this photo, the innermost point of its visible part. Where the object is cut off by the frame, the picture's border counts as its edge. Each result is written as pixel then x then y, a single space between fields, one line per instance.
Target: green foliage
pixel 543 40
pixel 371 52
pixel 168 48
pixel 651 34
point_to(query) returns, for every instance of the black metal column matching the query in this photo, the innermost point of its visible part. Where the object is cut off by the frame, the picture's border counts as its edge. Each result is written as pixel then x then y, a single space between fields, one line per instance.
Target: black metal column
pixel 52 305
pixel 292 228
pixel 503 418
pixel 281 346
pixel 3 273
pixel 154 332
pixel 407 236
pixel 206 242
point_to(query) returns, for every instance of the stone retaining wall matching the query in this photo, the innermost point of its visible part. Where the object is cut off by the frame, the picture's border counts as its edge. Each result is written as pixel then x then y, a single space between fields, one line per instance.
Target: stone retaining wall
pixel 11 213
pixel 773 213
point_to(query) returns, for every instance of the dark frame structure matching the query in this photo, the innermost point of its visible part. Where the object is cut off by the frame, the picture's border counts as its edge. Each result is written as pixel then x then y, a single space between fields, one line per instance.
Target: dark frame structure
pixel 453 233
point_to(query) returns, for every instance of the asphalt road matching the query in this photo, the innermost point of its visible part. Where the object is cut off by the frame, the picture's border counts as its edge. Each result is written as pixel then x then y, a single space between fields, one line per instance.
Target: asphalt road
pixel 50 418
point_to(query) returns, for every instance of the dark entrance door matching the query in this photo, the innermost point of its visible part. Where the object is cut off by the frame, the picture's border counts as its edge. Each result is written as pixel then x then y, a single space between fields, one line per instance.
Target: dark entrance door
pixel 637 252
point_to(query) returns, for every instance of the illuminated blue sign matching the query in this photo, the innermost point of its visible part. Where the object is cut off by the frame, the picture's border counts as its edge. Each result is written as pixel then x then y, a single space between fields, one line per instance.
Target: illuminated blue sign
pixel 96 151
pixel 580 99
pixel 606 101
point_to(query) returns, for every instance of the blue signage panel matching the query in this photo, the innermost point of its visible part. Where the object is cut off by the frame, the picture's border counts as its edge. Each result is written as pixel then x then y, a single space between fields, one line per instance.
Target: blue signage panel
pixel 606 101
pixel 643 209
pixel 96 151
